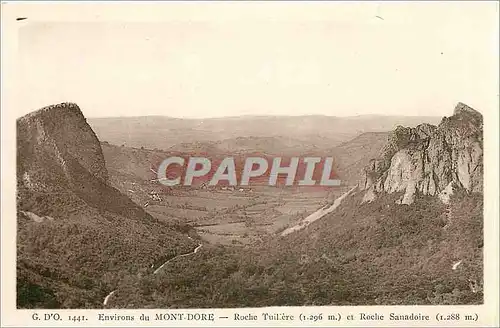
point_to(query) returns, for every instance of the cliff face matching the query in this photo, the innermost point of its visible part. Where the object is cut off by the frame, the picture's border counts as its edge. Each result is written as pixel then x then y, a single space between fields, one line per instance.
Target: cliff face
pixel 60 164
pixel 54 144
pixel 429 160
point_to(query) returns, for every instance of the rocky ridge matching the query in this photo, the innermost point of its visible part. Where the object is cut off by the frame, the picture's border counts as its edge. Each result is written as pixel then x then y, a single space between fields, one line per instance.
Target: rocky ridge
pixel 429 159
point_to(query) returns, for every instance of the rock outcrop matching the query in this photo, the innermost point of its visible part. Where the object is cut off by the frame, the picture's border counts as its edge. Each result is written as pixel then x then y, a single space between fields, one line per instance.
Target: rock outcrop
pixel 54 144
pixel 60 165
pixel 428 159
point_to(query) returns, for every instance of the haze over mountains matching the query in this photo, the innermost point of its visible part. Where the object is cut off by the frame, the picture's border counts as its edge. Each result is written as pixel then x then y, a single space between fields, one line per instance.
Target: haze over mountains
pixel 318 131
pixel 93 226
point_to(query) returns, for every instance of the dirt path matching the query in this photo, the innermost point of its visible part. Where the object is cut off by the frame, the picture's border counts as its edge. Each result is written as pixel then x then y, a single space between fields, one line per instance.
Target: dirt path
pixel 182 255
pixel 318 214
pixel 106 299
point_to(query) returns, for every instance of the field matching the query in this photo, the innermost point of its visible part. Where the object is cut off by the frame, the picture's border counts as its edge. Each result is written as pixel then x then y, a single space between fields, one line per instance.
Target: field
pixel 227 217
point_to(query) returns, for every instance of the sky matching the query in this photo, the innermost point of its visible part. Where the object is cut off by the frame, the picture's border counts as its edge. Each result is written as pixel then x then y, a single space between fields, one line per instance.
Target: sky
pixel 226 59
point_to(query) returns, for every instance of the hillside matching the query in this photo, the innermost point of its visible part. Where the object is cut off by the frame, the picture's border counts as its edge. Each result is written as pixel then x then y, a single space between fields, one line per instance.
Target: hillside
pixel 353 155
pixel 349 157
pixel 264 145
pixel 371 254
pixel 428 251
pixel 78 237
pixel 320 131
pixel 380 251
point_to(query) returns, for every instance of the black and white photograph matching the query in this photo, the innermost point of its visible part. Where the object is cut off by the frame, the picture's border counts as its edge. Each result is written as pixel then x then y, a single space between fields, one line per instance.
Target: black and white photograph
pixel 252 155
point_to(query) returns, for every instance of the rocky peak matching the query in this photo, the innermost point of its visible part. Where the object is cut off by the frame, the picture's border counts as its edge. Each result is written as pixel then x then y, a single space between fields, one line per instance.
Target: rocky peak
pixel 54 144
pixel 462 108
pixel 427 159
pixel 61 168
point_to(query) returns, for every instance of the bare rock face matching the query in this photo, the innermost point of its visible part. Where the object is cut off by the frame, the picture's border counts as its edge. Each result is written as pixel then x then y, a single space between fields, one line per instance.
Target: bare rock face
pixel 426 159
pixel 55 143
pixel 60 166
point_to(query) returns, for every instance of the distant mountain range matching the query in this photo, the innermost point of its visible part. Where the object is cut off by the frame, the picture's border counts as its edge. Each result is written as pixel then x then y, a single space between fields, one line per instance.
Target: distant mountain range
pixel 244 132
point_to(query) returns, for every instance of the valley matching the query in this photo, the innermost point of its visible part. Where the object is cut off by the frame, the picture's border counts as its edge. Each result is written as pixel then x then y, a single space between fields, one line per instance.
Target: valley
pixel 225 215
pixel 96 229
